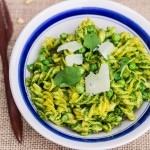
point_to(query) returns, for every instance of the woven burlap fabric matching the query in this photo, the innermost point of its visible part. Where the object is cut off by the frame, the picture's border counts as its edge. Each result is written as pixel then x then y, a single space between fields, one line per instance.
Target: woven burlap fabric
pixel 31 139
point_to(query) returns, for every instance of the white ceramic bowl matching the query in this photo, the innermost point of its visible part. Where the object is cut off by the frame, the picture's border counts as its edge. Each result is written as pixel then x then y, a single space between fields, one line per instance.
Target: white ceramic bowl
pixel 65 17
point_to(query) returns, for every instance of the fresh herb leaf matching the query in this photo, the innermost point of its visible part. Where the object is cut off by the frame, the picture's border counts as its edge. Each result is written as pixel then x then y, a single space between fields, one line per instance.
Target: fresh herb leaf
pixel 62 85
pixel 91 41
pixel 124 62
pixel 59 78
pixel 116 75
pixel 70 76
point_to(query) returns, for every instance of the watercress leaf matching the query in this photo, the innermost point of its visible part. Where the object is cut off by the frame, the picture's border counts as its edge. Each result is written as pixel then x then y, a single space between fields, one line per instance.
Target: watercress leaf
pixel 59 78
pixel 116 75
pixel 70 76
pixel 64 85
pixel 124 60
pixel 91 41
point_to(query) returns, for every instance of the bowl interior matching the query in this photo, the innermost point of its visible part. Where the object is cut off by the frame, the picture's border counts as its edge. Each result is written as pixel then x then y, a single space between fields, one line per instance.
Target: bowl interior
pixel 69 25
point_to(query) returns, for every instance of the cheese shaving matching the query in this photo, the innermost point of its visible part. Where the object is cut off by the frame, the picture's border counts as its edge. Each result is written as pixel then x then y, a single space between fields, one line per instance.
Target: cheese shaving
pixel 97 83
pixel 74 59
pixel 71 46
pixel 106 48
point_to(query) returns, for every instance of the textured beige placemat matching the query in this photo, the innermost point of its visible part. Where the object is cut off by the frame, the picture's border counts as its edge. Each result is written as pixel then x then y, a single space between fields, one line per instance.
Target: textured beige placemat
pixel 31 139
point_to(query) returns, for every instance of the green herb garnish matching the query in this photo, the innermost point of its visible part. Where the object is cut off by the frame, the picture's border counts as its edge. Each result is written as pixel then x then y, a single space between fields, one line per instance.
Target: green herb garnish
pixel 91 41
pixel 124 63
pixel 70 76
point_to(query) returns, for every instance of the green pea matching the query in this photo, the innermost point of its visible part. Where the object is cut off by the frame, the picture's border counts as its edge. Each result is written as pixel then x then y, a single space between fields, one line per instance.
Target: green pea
pixel 46 61
pixel 30 67
pixel 116 75
pixel 63 36
pixel 81 69
pixel 115 37
pixel 125 60
pixel 109 93
pixel 82 50
pixel 80 89
pixel 93 67
pixel 64 118
pixel 90 28
pixel 132 66
pixel 122 82
pixel 41 57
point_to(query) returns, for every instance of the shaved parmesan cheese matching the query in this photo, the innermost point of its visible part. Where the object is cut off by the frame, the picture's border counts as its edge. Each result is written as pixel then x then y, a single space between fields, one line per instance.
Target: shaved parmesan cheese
pixel 71 46
pixel 106 48
pixel 74 59
pixel 97 83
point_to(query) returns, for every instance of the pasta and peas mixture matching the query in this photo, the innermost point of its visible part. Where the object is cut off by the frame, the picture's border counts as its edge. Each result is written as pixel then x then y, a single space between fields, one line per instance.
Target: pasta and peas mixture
pixel 59 91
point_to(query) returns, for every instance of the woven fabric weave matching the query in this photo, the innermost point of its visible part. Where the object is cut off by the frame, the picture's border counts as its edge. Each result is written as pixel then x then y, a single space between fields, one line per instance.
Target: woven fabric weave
pixel 31 139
